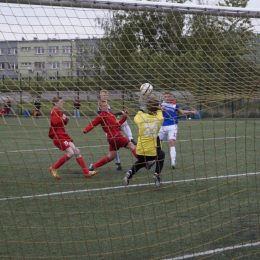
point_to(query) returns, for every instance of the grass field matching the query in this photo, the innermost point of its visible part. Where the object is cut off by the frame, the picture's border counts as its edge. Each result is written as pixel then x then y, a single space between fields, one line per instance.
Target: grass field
pixel 210 202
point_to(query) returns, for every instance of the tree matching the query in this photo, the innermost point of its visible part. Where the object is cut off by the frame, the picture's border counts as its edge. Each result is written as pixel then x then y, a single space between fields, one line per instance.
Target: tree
pixel 174 50
pixel 133 39
pixel 218 45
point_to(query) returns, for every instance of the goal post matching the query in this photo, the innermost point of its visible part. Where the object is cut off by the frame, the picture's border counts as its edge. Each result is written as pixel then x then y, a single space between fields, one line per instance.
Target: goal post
pixel 207 57
pixel 165 7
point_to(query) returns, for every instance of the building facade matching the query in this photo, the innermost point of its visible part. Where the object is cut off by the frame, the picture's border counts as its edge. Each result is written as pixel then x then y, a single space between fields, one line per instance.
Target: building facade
pixel 51 58
pixel 8 59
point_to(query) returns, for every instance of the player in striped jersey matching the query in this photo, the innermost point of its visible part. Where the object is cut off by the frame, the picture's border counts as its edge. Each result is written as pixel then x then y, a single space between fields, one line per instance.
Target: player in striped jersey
pixel 169 127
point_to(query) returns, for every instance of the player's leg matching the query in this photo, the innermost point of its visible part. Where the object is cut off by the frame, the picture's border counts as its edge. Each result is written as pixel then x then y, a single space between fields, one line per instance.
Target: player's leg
pixel 118 162
pixel 128 132
pixel 140 163
pixel 130 146
pixel 111 155
pixel 162 133
pixel 81 162
pixel 64 146
pixel 159 167
pixel 172 135
pixel 160 161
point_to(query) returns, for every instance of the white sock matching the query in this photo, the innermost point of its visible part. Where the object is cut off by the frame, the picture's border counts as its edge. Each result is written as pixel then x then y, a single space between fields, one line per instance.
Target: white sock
pixel 173 154
pixel 117 158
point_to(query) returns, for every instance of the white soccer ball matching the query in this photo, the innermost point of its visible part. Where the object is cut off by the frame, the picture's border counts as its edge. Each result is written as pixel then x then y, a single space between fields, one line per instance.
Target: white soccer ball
pixel 146 89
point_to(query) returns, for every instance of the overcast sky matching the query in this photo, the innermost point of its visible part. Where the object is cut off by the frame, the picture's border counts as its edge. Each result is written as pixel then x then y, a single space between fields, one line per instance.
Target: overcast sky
pixel 17 21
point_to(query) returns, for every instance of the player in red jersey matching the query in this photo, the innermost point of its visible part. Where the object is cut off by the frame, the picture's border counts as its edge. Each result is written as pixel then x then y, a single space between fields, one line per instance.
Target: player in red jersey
pixel 63 141
pixel 110 126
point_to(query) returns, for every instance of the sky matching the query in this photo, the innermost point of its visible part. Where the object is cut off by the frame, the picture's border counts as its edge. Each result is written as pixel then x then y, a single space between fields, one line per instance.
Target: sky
pixel 17 21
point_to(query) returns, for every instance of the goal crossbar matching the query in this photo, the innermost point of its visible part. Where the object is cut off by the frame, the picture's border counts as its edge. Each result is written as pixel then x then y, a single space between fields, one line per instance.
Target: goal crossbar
pixel 146 6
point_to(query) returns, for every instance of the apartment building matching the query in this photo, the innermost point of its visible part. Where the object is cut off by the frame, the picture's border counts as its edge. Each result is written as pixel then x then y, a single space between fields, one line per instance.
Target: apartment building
pixel 8 59
pixel 51 58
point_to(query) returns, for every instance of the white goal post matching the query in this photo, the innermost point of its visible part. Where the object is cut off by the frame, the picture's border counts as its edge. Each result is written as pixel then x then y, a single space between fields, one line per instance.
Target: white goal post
pixel 146 6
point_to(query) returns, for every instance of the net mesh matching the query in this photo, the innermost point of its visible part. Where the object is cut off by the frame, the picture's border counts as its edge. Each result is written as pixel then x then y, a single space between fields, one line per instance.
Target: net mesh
pixel 207 207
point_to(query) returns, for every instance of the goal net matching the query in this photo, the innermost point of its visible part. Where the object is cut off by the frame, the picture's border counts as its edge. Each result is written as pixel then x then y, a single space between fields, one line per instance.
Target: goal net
pixel 208 57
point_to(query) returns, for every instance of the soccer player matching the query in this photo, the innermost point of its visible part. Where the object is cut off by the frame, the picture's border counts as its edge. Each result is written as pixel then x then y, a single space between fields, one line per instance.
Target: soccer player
pixel 63 141
pixel 7 107
pixel 77 106
pixel 110 126
pixel 125 127
pixel 169 127
pixel 148 144
pixel 37 107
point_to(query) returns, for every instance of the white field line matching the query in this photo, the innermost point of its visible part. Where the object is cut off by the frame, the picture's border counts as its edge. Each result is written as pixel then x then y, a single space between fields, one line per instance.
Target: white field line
pixel 129 186
pixel 93 146
pixel 210 252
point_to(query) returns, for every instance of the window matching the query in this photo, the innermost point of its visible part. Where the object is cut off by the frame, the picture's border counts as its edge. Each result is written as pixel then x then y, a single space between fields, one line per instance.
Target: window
pixel 12 66
pixel 81 50
pixel 25 64
pixel 12 51
pixel 54 65
pixel 53 50
pixel 66 49
pixel 1 51
pixel 39 50
pixel 66 65
pixel 25 48
pixel 2 66
pixel 80 66
pixel 92 49
pixel 39 65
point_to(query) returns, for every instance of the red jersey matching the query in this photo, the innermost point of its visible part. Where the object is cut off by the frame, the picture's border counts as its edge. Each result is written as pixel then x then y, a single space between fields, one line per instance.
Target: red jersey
pixel 108 122
pixel 57 129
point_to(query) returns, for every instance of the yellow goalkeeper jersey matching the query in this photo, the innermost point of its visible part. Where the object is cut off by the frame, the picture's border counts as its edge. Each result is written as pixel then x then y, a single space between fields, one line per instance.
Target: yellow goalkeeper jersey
pixel 149 126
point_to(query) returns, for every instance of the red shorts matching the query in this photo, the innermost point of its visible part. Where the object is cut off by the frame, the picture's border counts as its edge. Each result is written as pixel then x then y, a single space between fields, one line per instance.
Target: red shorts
pixel 117 143
pixel 62 142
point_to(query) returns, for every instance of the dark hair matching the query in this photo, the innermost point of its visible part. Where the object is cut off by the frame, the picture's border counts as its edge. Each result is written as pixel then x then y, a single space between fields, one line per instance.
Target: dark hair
pixel 55 100
pixel 152 105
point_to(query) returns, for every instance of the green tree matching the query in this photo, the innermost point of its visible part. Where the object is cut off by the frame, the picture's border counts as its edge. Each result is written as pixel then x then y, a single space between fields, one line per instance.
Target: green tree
pixel 135 40
pixel 174 50
pixel 217 46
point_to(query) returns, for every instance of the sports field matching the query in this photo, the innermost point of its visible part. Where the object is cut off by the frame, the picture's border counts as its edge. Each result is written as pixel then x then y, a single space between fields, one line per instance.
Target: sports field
pixel 207 208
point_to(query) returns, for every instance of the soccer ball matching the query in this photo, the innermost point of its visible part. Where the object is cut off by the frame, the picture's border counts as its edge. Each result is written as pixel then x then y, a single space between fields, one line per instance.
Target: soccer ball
pixel 146 89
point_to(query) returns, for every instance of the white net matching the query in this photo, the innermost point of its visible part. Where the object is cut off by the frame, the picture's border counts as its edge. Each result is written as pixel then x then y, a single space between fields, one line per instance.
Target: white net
pixel 208 57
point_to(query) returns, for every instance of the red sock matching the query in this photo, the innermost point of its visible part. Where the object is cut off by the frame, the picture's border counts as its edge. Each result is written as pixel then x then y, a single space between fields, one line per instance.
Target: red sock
pixel 102 162
pixel 134 153
pixel 61 161
pixel 82 164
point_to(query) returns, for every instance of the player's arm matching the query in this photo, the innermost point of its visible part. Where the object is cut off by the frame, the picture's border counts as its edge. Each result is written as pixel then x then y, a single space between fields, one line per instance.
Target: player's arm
pixel 123 119
pixel 186 112
pixel 92 125
pixel 121 113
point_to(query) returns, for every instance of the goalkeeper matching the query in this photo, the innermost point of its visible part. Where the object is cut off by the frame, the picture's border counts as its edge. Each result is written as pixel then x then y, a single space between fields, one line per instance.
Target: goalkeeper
pixel 148 145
